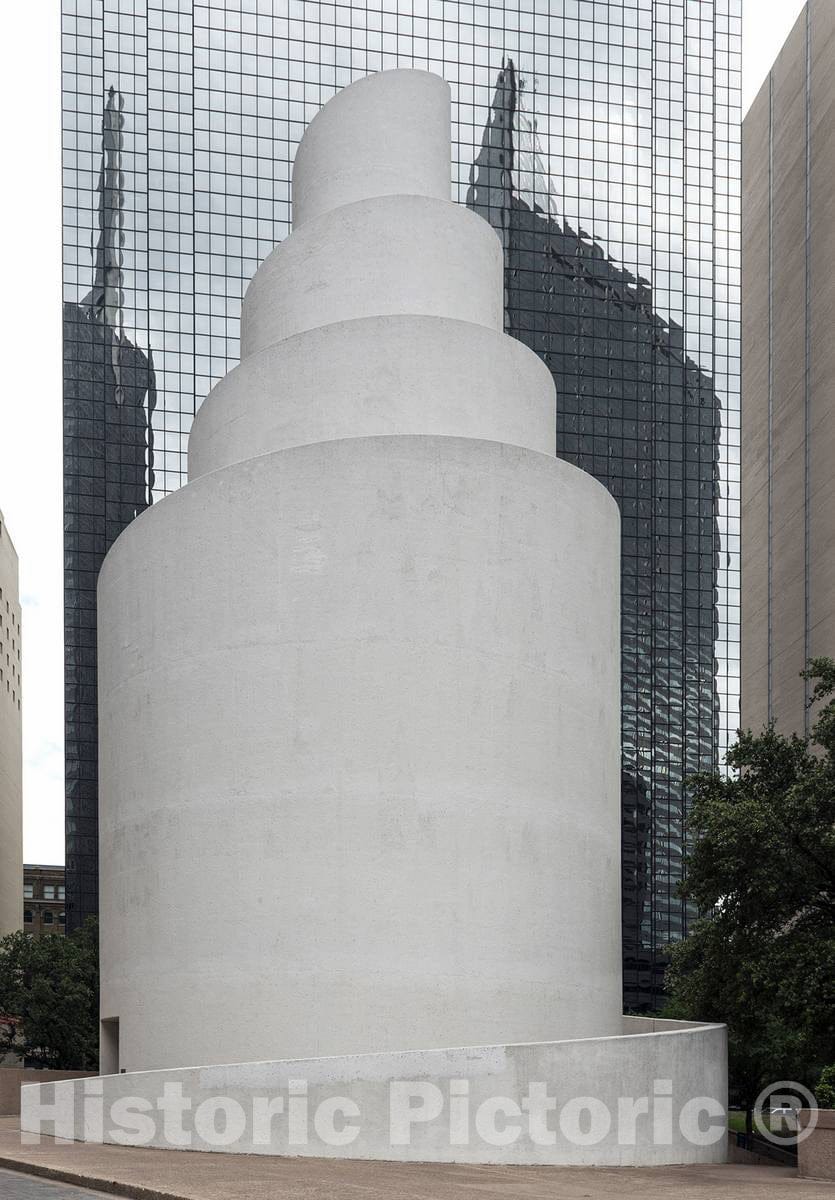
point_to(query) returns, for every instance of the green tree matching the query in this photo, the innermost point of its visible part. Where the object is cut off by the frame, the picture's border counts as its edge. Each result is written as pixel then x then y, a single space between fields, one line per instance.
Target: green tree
pixel 825 1088
pixel 49 990
pixel 762 869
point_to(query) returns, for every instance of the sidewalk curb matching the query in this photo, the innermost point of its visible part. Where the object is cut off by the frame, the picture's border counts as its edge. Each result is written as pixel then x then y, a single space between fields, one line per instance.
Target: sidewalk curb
pixel 109 1187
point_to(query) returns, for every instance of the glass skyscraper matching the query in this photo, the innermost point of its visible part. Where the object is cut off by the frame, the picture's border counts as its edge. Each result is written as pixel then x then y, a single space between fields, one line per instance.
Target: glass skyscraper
pixel 601 140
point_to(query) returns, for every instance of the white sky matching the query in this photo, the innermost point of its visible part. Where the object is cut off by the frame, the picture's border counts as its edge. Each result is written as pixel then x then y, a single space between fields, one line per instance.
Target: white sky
pixel 30 351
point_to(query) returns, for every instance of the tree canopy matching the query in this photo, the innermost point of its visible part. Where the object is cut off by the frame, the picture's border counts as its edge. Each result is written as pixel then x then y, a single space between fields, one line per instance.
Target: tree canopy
pixel 49 998
pixel 761 868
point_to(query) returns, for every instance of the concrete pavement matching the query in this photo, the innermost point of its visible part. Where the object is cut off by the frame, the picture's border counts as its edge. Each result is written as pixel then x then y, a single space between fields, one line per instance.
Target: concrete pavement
pixel 186 1175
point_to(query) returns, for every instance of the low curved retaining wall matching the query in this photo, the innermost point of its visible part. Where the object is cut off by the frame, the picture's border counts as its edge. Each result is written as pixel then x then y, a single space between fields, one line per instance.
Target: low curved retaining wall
pixel 655 1094
pixel 816 1151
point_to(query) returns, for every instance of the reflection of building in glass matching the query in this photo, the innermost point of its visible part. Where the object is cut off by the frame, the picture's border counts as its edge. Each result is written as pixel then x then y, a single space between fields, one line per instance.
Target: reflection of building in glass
pixel 637 413
pixel 637 115
pixel 107 481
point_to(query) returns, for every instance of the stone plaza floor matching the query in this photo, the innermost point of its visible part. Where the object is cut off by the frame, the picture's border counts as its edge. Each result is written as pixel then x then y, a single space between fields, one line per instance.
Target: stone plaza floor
pixel 52 1171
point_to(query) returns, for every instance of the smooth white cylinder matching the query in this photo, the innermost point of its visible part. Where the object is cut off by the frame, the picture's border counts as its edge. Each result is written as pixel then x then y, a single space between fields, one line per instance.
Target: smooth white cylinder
pixel 389 256
pixel 359 708
pixel 400 125
pixel 359 699
pixel 377 375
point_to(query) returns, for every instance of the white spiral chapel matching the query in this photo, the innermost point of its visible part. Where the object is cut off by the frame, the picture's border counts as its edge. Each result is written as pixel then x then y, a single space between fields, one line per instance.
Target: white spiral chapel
pixel 359 685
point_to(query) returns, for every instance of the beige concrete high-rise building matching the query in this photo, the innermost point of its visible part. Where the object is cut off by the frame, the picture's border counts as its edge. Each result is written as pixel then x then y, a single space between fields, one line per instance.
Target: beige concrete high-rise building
pixel 788 374
pixel 11 758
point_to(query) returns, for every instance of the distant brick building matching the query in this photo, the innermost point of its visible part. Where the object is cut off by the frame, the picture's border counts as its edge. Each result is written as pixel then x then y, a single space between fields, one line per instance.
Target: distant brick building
pixel 43 899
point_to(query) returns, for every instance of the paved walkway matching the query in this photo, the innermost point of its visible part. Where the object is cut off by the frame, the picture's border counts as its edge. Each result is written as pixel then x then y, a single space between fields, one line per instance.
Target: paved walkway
pixel 191 1175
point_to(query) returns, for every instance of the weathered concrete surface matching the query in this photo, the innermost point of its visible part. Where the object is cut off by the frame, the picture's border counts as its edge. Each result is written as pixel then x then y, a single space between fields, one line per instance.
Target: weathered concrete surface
pixel 376 376
pixel 371 775
pixel 373 1097
pixel 395 254
pixel 359 686
pixel 816 1153
pixel 788 401
pixel 399 144
pixel 162 1175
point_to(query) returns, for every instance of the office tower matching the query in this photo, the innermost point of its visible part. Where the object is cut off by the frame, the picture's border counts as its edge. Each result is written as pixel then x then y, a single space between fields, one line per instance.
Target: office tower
pixel 109 398
pixel 788 397
pixel 617 176
pixel 11 753
pixel 635 410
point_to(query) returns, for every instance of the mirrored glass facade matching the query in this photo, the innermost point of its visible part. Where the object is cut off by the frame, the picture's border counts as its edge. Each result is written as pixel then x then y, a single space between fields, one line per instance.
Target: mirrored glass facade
pixel 602 142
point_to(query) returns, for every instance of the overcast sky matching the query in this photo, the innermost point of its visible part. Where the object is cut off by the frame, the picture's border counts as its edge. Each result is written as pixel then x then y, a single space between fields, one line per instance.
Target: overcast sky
pixel 30 351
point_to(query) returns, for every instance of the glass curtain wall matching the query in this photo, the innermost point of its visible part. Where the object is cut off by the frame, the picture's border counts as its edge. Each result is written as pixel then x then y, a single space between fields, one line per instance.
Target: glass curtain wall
pixel 601 139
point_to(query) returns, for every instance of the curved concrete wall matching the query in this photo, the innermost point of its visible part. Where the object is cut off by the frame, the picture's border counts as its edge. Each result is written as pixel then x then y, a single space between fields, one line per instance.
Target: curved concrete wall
pixel 395 254
pixel 399 144
pixel 380 375
pixel 658 1097
pixel 359 698
pixel 345 749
